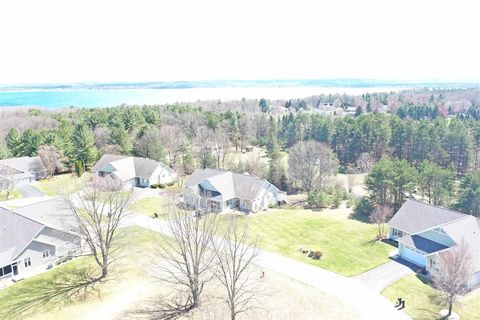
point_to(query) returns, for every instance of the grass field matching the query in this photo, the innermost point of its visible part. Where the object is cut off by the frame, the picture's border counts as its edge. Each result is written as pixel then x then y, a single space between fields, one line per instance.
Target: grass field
pixel 13 195
pixel 149 206
pixel 64 182
pixel 424 302
pixel 348 245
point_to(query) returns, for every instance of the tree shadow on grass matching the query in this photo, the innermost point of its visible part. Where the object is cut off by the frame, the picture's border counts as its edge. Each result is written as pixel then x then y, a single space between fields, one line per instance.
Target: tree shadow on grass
pixel 59 288
pixel 162 309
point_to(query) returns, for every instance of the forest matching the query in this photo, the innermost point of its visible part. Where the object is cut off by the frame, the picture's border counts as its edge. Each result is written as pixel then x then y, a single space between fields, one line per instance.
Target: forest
pixel 425 141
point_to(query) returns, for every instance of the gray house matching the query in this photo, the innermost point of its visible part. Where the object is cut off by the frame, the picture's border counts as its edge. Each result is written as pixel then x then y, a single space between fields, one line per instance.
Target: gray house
pixel 424 232
pixel 134 171
pixel 218 191
pixel 28 247
pixel 22 170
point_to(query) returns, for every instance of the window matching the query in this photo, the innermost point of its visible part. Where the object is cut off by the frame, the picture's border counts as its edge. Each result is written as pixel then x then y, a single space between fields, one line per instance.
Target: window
pixel 45 254
pixel 27 262
pixel 397 233
pixel 433 264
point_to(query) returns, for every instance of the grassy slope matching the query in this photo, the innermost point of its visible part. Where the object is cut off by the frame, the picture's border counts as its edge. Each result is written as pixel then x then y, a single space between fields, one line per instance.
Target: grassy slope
pixel 424 302
pixel 348 245
pixel 64 182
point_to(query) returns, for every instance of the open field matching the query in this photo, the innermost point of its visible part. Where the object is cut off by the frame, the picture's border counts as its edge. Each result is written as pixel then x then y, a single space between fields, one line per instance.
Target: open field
pixel 422 301
pixel 131 289
pixel 348 245
pixel 61 183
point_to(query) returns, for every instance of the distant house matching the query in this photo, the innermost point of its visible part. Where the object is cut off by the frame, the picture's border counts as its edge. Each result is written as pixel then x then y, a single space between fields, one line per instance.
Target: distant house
pixel 134 171
pixel 22 170
pixel 219 191
pixel 424 232
pixel 28 247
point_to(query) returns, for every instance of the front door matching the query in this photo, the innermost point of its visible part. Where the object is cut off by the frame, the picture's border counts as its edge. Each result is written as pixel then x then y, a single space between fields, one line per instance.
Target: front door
pixel 15 268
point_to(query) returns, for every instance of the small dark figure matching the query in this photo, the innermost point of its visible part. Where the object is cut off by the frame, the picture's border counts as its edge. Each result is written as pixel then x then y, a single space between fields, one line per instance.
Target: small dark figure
pixel 263 275
pixel 402 305
pixel 155 215
pixel 399 302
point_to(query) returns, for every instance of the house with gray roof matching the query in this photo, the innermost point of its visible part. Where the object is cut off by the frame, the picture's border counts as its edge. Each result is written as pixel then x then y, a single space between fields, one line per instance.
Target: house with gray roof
pixel 134 171
pixel 218 191
pixel 22 170
pixel 424 232
pixel 28 246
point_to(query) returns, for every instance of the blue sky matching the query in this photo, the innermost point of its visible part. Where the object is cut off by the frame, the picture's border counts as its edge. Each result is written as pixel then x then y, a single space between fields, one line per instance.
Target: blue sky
pixel 114 40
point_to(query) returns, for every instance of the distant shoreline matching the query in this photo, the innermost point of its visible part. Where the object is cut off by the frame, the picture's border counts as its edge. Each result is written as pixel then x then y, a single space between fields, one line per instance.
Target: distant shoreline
pixel 82 97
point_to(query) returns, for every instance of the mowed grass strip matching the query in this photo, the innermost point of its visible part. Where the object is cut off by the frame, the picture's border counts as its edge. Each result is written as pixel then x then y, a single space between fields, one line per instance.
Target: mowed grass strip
pixel 62 183
pixel 149 206
pixel 349 246
pixel 422 301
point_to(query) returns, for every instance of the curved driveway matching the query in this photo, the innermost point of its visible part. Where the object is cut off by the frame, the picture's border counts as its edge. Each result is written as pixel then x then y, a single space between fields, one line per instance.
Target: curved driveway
pixel 367 303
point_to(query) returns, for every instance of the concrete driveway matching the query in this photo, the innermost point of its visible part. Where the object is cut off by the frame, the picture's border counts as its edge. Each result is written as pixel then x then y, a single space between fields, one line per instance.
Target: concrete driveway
pixel 366 301
pixel 383 276
pixel 29 191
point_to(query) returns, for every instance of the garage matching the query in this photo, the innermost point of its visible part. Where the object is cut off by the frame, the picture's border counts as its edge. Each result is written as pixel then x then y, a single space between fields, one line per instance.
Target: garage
pixel 413 255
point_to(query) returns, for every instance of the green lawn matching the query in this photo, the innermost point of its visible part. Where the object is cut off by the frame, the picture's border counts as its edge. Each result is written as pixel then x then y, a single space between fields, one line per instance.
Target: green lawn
pixel 149 206
pixel 64 182
pixel 424 302
pixel 348 245
pixel 13 195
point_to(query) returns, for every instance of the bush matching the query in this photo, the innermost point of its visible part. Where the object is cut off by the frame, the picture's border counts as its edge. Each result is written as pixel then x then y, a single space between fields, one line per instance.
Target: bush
pixel 317 200
pixel 170 184
pixel 154 186
pixel 161 185
pixel 363 207
pixel 343 169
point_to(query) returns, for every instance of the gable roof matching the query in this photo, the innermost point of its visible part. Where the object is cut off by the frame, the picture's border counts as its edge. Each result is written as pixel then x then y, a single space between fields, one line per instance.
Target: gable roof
pixel 229 184
pixel 422 243
pixel 16 232
pixel 52 212
pixel 25 164
pixel 414 217
pixel 126 167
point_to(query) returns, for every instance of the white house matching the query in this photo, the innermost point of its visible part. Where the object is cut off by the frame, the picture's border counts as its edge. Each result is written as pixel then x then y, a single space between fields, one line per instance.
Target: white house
pixel 22 170
pixel 424 232
pixel 134 171
pixel 218 191
pixel 28 246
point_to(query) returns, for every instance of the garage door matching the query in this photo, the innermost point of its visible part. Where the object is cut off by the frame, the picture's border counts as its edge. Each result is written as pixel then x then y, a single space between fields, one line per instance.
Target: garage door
pixel 412 255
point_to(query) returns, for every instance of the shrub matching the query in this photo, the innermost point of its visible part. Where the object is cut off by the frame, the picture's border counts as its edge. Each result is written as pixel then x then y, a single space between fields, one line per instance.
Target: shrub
pixel 343 169
pixel 154 186
pixel 363 207
pixel 170 184
pixel 317 200
pixel 161 185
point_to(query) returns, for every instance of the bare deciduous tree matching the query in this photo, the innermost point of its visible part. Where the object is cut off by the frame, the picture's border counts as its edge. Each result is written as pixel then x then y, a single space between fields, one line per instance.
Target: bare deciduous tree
pixel 221 144
pixel 380 215
pixel 454 270
pixel 172 138
pixel 235 253
pixel 365 162
pixel 7 182
pixel 150 145
pixel 186 258
pixel 98 210
pixel 310 164
pixel 52 158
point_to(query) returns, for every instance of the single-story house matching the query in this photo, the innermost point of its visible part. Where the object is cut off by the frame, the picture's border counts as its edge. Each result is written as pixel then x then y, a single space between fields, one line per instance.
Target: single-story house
pixel 218 191
pixel 22 170
pixel 424 232
pixel 134 171
pixel 28 246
